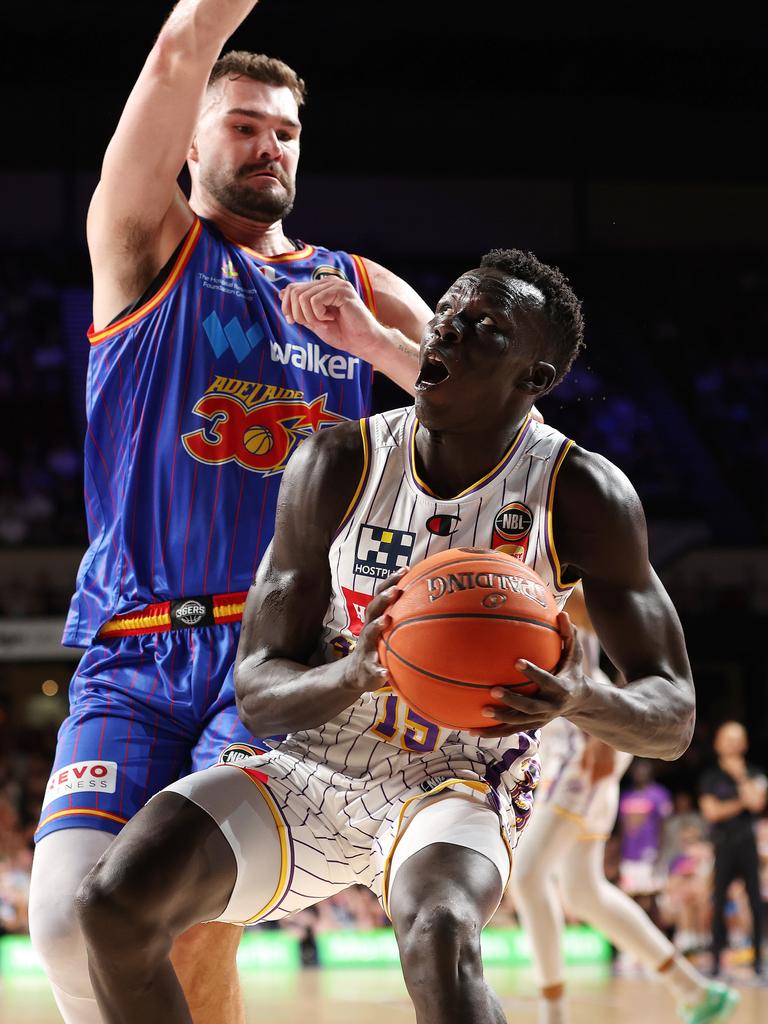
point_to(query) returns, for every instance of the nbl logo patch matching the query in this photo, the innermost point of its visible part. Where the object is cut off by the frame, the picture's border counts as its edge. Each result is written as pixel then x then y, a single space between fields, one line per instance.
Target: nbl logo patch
pixel 511 529
pixel 381 551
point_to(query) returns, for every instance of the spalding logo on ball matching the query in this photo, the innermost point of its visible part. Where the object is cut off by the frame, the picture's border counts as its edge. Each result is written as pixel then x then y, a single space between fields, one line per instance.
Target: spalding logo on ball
pixel 463 619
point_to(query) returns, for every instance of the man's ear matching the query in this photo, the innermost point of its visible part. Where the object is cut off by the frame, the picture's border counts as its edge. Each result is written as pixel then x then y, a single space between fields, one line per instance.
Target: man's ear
pixel 538 379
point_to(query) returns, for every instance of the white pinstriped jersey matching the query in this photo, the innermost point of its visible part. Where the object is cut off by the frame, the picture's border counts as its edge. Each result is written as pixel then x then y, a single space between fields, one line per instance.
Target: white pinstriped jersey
pixel 565 785
pixel 395 520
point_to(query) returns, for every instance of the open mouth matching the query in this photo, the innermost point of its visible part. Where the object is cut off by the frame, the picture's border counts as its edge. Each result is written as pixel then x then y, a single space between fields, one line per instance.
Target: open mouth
pixel 433 372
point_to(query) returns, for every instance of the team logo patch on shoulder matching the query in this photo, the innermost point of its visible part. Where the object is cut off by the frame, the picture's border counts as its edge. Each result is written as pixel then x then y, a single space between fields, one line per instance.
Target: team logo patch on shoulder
pixel 381 551
pixel 237 752
pixel 326 270
pixel 443 526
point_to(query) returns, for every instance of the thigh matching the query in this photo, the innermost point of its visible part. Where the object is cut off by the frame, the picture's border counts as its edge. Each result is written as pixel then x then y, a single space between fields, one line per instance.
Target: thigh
pixel 548 838
pixel 449 831
pixel 286 857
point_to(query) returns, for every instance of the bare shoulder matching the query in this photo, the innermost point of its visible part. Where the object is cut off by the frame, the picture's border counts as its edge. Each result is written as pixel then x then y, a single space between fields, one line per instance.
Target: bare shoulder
pixel 397 303
pixel 322 476
pixel 598 516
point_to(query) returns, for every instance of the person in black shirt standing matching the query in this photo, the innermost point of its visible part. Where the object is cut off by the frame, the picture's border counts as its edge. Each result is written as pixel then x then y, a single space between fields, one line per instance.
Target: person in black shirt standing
pixel 731 796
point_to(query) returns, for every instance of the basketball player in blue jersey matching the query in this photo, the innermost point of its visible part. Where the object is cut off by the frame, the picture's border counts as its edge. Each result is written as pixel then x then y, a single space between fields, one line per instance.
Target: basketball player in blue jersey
pixel 362 788
pixel 204 378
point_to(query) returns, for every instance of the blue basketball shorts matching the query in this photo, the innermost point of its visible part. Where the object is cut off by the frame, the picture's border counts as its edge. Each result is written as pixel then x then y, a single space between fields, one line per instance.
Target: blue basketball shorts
pixel 145 710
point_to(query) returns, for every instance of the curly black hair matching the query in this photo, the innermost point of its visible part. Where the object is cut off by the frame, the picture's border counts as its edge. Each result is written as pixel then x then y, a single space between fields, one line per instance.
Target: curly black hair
pixel 562 308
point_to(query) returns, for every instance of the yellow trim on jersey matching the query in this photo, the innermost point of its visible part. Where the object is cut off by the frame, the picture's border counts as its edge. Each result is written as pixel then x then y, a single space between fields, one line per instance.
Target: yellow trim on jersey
pixel 286 257
pixel 577 818
pixel 550 531
pixel 369 295
pixel 479 483
pixel 285 859
pixel 81 810
pixel 481 787
pixel 581 821
pixel 228 609
pixel 96 337
pixel 363 477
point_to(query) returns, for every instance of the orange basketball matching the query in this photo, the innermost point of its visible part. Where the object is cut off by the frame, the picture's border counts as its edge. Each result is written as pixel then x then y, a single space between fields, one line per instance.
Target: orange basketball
pixel 463 619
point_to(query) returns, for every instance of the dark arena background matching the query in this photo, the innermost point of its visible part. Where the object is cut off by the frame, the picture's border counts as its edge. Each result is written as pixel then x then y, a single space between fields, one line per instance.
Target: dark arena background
pixel 630 153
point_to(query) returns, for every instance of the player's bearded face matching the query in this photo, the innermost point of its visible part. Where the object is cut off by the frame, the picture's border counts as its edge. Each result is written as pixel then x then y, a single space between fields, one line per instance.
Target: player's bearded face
pixel 261 192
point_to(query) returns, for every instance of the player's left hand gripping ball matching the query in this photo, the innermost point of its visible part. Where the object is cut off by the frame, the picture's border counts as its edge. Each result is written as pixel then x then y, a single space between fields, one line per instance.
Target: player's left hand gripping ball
pixel 560 693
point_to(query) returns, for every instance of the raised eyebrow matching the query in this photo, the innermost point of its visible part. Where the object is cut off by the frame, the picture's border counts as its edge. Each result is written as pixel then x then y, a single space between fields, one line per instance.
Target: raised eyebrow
pixel 259 115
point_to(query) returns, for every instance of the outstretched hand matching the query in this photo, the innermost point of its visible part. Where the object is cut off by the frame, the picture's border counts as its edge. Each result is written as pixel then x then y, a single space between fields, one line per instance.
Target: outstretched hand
pixel 560 693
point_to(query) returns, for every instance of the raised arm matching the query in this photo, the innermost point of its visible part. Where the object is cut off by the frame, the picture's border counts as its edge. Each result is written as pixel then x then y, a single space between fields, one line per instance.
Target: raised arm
pixel 600 533
pixel 335 312
pixel 277 691
pixel 138 214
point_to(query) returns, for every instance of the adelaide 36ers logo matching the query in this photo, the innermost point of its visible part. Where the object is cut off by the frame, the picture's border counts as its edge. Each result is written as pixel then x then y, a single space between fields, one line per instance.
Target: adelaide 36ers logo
pixel 255 425
pixel 511 529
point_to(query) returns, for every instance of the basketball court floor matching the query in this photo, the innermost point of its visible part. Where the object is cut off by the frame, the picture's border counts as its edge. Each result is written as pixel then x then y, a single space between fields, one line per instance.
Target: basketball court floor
pixel 378 996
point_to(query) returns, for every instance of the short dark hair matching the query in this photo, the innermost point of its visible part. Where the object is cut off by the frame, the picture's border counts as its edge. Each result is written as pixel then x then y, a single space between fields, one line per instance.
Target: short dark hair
pixel 270 70
pixel 562 308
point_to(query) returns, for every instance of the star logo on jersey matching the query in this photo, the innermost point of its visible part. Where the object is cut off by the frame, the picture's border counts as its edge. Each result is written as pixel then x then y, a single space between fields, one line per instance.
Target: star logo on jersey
pixel 255 425
pixel 381 551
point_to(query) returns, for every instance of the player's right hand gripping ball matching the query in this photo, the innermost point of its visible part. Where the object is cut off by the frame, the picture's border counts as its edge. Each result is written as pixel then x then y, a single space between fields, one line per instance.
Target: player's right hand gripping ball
pixel 463 619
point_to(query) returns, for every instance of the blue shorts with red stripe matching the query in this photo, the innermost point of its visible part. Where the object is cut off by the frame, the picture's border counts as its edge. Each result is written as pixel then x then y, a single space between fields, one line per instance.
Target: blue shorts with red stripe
pixel 144 711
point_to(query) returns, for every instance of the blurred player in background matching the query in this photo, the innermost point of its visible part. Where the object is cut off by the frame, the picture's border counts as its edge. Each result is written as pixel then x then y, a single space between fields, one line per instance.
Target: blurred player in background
pixel 363 788
pixel 218 344
pixel 562 858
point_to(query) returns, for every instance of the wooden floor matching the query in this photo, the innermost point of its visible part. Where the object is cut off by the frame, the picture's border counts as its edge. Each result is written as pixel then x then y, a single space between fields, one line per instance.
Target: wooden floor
pixel 363 996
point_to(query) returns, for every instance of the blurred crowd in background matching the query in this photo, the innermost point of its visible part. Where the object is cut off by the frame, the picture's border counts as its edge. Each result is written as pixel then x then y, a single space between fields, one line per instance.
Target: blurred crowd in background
pixel 676 890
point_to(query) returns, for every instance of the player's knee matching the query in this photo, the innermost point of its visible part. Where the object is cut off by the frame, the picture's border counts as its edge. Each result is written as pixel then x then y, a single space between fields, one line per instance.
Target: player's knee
pixel 443 932
pixel 113 912
pixel 57 939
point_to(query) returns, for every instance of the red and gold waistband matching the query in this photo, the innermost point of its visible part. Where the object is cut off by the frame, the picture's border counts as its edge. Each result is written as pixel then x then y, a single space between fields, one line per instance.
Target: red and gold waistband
pixel 181 613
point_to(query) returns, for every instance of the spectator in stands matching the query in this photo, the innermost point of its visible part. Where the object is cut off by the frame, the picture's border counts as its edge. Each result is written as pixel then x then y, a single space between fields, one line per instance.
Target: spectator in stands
pixel 643 810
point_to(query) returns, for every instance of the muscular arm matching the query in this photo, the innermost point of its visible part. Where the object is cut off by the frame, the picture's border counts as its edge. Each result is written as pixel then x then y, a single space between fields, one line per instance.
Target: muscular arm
pixel 138 214
pixel 601 536
pixel 335 312
pixel 277 691
pixel 403 315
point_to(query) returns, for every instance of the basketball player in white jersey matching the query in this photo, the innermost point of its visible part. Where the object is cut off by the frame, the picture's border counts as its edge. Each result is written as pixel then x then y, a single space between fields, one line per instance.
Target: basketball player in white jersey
pixel 362 789
pixel 562 858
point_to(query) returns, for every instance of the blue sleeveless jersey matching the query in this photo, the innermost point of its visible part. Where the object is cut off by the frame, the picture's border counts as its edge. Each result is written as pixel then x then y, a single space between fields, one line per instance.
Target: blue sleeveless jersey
pixel 195 402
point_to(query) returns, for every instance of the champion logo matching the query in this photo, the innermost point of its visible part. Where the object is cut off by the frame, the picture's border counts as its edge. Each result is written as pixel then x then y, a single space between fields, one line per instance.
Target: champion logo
pixel 232 336
pixel 314 360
